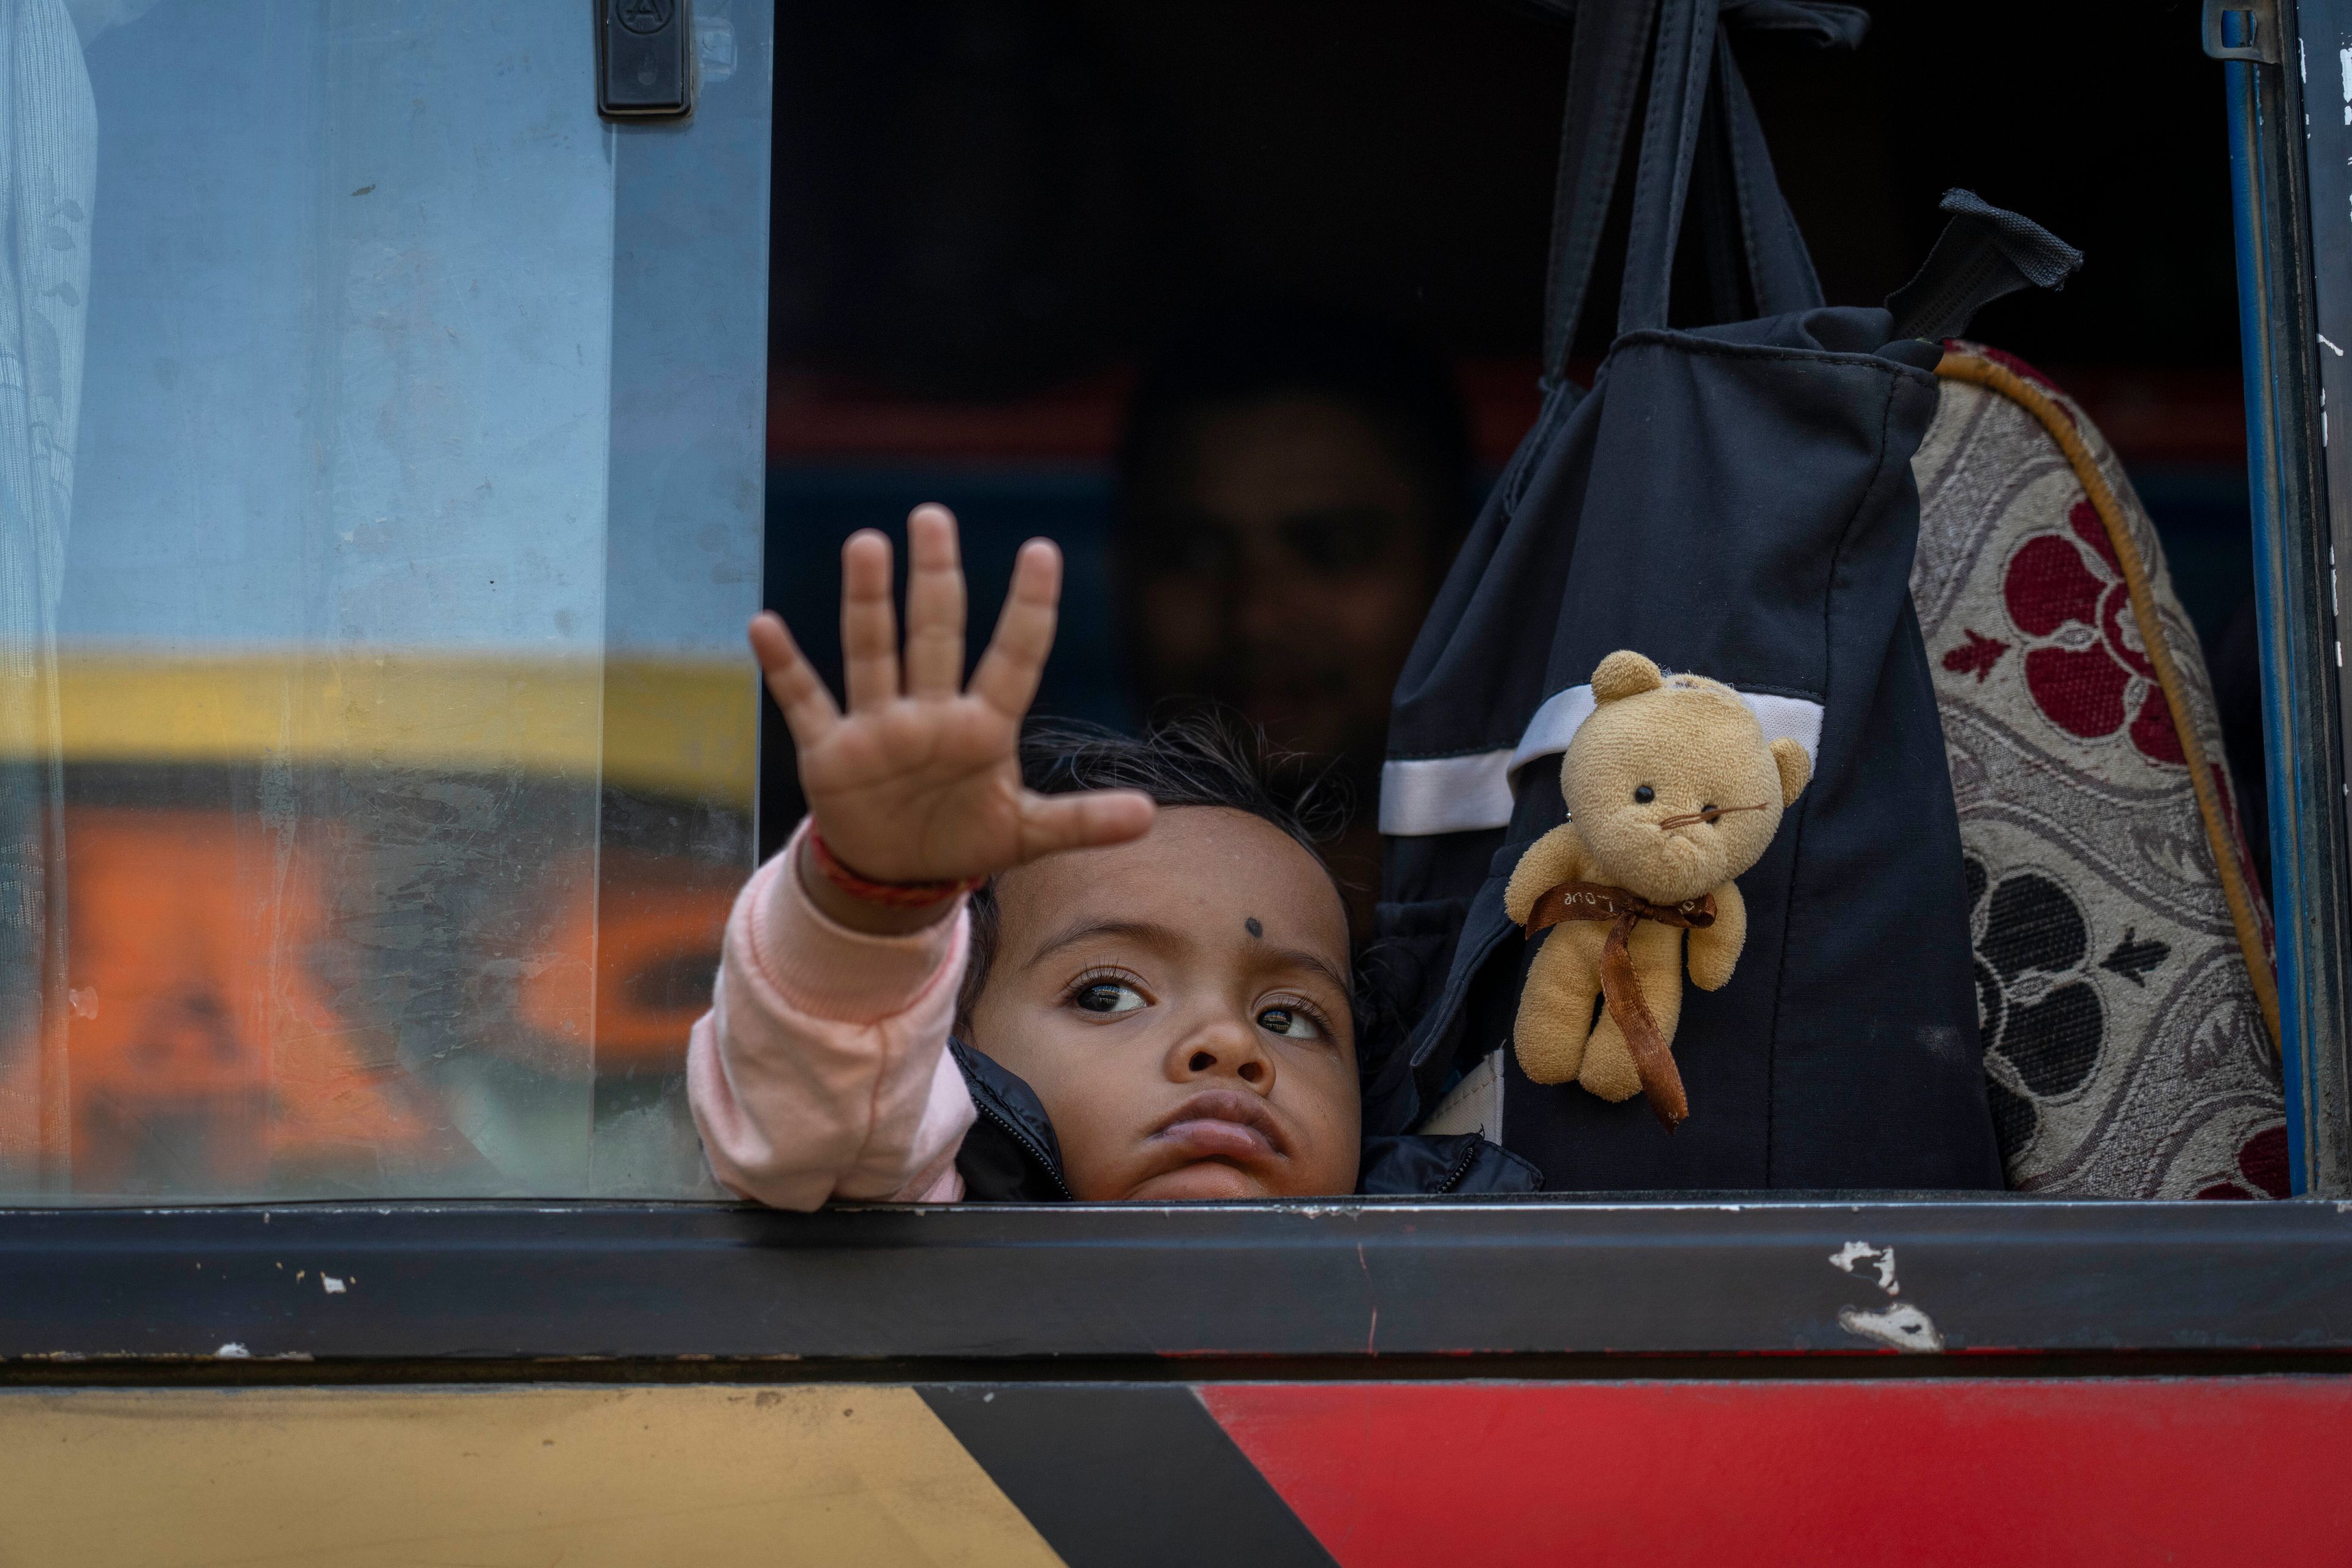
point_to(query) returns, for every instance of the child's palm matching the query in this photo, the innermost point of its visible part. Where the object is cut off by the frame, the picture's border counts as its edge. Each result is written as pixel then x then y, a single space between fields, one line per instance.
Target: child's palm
pixel 921 783
pixel 937 781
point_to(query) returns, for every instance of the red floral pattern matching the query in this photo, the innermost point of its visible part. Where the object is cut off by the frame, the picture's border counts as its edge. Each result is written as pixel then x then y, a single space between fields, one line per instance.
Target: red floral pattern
pixel 2086 671
pixel 1975 657
pixel 2262 1169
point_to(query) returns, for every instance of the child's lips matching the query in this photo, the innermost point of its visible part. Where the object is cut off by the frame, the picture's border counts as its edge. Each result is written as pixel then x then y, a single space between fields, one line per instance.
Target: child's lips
pixel 1224 1123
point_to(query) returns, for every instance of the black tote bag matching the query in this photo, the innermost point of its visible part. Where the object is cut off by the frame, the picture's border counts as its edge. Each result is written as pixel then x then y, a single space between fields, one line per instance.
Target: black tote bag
pixel 1735 501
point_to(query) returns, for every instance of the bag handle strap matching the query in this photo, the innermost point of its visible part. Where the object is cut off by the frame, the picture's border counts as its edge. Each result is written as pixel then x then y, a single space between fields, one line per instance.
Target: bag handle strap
pixel 1604 75
pixel 1983 253
pixel 1778 262
pixel 1692 78
pixel 1681 65
pixel 1694 82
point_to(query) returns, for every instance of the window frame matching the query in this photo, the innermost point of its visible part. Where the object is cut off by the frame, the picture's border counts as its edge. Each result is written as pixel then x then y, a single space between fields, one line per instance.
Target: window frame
pixel 1359 1284
pixel 2290 306
pixel 1550 1284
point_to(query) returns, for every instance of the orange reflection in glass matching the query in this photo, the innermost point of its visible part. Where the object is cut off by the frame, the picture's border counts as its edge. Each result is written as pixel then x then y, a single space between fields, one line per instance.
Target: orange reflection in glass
pixel 204 1052
pixel 654 929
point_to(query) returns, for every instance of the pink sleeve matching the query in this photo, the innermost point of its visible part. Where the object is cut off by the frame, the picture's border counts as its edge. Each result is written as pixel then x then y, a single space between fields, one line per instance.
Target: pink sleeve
pixel 821 1069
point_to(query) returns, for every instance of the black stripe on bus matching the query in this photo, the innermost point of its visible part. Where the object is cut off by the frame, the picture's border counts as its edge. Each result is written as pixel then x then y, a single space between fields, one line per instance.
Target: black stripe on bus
pixel 1124 1475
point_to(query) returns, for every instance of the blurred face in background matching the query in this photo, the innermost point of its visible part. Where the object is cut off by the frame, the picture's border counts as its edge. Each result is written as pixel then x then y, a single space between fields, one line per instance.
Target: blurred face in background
pixel 1278 560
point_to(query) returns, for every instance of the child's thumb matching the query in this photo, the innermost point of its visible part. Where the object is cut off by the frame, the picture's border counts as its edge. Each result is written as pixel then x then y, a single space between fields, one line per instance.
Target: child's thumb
pixel 1053 823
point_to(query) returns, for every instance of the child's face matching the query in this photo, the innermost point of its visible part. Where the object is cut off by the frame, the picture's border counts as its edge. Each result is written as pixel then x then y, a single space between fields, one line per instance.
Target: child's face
pixel 1180 1004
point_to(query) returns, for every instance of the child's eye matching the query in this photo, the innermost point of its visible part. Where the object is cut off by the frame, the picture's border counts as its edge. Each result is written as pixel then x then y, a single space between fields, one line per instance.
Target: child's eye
pixel 1293 1023
pixel 1107 996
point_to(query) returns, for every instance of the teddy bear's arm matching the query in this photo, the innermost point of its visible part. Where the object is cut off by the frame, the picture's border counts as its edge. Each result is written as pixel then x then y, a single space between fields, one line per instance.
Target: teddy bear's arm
pixel 1558 857
pixel 1715 949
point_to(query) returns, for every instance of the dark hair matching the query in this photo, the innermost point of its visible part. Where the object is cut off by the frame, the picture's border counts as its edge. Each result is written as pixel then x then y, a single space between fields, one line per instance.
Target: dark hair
pixel 1196 760
pixel 1262 350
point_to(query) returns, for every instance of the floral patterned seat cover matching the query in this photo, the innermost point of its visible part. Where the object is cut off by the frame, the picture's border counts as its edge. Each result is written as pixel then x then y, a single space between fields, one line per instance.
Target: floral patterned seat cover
pixel 2124 1048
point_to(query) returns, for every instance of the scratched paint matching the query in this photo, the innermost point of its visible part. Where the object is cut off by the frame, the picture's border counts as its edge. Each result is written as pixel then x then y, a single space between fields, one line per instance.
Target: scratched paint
pixel 1898 1325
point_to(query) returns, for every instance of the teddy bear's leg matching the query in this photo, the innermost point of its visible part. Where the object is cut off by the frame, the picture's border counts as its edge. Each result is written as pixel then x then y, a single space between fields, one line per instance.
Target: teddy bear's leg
pixel 1556 1006
pixel 1609 1070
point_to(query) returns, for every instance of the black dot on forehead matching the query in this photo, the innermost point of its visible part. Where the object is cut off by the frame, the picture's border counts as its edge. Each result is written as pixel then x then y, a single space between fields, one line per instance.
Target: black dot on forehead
pixel 1251 926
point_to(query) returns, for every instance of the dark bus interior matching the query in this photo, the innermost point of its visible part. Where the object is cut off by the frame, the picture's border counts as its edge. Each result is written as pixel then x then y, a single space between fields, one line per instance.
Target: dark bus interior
pixel 992 215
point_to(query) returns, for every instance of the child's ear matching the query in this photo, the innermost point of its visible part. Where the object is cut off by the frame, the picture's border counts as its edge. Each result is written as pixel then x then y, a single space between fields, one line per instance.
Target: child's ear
pixel 1796 769
pixel 1623 674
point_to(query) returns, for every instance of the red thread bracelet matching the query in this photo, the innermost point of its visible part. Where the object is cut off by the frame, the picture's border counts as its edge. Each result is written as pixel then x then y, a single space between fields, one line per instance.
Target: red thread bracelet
pixel 889 895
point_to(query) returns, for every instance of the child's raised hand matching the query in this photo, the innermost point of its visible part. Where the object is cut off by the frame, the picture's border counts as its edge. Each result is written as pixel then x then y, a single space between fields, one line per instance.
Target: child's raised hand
pixel 920 780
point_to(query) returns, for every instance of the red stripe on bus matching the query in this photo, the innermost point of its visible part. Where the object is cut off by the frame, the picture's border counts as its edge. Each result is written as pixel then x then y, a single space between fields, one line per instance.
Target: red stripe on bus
pixel 2072 1473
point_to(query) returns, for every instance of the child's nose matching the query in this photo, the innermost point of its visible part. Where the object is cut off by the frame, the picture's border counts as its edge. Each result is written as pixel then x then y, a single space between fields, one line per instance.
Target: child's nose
pixel 1230 1047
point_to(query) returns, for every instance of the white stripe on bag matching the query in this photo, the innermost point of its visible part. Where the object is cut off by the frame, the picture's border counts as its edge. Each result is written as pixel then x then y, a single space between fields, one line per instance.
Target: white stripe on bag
pixel 1422 795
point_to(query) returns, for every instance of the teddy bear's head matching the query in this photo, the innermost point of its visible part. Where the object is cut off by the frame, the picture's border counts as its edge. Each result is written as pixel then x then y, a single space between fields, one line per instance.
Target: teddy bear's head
pixel 1659 754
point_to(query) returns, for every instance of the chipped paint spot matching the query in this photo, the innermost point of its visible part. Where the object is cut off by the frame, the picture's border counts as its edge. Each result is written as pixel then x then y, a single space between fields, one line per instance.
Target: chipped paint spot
pixel 234 1351
pixel 1903 1327
pixel 2339 352
pixel 1857 1252
pixel 2344 61
pixel 334 1286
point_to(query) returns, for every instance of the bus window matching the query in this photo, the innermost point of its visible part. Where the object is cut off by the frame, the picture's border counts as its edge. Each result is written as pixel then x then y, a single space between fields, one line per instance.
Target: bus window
pixel 1252 327
pixel 381 518
pixel 377 755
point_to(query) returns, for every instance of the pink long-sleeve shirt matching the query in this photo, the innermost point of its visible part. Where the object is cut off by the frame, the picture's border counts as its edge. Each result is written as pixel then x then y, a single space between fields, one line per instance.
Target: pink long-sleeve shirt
pixel 821 1069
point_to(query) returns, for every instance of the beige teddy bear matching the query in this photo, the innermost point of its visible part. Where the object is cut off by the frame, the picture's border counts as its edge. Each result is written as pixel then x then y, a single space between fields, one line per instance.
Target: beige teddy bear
pixel 1671 792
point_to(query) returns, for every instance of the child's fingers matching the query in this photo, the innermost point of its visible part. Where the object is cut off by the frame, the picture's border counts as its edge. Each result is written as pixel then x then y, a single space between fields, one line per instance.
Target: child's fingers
pixel 1006 678
pixel 935 600
pixel 792 681
pixel 1053 823
pixel 869 632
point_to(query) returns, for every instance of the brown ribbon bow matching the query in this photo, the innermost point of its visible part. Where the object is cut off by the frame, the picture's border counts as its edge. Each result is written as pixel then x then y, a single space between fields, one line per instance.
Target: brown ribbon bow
pixel 1662 1083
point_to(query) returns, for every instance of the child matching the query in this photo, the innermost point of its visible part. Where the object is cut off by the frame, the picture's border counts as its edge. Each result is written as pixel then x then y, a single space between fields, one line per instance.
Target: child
pixel 1146 960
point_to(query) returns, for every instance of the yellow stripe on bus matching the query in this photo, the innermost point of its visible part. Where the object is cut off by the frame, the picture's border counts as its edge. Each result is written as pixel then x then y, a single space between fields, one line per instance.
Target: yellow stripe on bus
pixel 503 1478
pixel 681 727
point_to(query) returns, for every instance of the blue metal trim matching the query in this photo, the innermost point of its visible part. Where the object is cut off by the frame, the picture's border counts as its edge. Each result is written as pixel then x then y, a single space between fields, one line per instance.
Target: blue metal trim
pixel 2295 254
pixel 2270 592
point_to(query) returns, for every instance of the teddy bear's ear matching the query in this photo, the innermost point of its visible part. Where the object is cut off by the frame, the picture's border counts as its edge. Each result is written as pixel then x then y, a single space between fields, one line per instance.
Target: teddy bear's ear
pixel 1623 674
pixel 1796 769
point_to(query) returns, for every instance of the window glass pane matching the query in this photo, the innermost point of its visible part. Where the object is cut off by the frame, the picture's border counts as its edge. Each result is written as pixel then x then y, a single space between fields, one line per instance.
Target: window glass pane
pixel 379 509
pixel 1242 302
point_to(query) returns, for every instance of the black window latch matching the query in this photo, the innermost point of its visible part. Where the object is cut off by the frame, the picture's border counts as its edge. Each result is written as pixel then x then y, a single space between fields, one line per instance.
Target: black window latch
pixel 645 59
